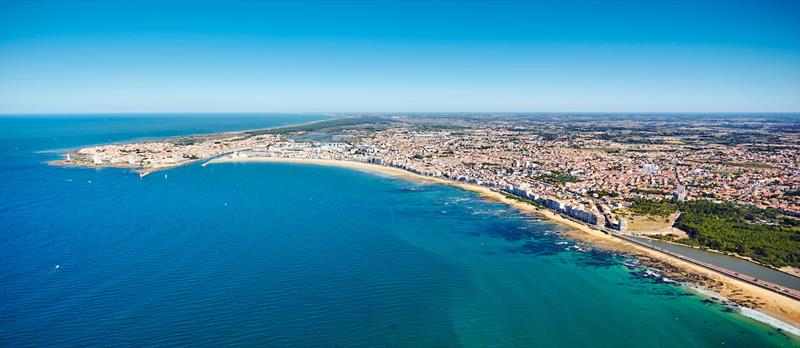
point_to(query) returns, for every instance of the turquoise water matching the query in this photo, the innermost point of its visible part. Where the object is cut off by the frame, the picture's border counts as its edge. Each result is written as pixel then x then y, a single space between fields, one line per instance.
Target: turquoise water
pixel 298 255
pixel 729 262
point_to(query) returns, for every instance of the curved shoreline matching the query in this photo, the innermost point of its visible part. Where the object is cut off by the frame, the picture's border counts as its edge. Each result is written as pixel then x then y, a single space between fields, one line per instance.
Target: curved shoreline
pixel 774 305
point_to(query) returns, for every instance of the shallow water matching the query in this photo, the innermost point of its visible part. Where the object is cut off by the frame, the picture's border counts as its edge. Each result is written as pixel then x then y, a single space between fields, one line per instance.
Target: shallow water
pixel 301 255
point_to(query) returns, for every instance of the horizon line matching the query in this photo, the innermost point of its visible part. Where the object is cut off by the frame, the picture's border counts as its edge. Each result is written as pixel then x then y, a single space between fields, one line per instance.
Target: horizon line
pixel 98 113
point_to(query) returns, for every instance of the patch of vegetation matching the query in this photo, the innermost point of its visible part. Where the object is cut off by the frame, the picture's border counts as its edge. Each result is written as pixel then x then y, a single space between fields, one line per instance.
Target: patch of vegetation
pixel 642 206
pixel 603 193
pixel 335 123
pixel 669 237
pixel 746 164
pixel 557 178
pixel 649 192
pixel 766 235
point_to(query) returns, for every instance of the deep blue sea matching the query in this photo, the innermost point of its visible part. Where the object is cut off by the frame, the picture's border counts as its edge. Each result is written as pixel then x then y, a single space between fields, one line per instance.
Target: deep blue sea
pixel 300 255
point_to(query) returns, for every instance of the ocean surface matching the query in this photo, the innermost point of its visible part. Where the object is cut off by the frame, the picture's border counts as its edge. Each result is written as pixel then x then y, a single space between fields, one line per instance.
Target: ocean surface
pixel 300 255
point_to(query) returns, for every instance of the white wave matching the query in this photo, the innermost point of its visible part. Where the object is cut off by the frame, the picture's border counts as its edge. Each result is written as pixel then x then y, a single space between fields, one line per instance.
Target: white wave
pixel 766 319
pixel 752 313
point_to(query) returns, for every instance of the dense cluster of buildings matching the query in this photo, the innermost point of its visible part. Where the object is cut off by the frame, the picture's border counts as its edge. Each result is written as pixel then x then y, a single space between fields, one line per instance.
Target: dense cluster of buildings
pixel 608 172
pixel 582 174
pixel 157 154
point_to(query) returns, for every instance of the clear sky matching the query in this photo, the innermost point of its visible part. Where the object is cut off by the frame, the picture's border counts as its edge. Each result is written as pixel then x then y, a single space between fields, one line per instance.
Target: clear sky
pixel 259 56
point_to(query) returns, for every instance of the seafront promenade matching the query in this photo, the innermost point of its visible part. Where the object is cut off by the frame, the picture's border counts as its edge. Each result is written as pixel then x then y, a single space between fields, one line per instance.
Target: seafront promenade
pixel 788 292
pixel 779 289
pixel 775 288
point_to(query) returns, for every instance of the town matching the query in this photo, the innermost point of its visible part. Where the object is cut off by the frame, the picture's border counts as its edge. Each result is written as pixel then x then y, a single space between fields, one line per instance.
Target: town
pixel 597 172
pixel 594 168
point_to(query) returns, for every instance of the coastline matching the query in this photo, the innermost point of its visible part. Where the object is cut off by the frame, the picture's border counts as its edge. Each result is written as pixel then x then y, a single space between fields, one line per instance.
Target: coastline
pixel 775 307
pixel 792 271
pixel 147 170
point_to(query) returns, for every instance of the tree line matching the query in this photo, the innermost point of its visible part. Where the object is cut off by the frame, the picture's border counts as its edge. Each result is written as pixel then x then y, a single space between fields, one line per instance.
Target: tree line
pixel 766 235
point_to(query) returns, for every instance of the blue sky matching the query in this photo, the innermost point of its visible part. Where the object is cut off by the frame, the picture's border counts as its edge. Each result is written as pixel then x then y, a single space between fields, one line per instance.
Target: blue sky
pixel 251 56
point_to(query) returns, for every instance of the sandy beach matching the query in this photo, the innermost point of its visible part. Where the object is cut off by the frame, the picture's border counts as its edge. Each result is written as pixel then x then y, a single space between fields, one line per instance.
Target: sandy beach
pixel 747 295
